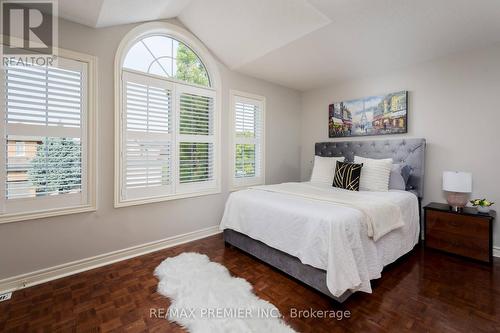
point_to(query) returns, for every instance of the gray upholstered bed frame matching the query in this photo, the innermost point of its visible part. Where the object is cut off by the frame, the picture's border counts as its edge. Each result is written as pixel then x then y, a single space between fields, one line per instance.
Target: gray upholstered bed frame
pixel 407 151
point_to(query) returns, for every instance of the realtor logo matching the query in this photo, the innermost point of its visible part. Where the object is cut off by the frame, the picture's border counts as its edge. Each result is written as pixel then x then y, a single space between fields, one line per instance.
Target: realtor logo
pixel 29 31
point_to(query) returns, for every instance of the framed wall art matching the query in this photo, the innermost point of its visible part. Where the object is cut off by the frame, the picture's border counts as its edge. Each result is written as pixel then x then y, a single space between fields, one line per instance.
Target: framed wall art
pixel 375 115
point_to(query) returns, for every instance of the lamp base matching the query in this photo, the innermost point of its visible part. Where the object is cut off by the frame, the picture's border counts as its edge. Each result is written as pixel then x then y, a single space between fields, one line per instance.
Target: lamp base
pixel 457 200
pixel 456 209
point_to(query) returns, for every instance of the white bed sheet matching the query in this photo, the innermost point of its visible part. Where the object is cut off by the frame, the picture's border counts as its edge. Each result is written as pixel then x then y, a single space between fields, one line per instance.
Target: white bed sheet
pixel 302 227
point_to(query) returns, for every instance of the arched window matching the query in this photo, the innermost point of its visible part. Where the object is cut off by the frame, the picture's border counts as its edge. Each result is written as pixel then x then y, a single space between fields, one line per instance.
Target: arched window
pixel 167 117
pixel 165 56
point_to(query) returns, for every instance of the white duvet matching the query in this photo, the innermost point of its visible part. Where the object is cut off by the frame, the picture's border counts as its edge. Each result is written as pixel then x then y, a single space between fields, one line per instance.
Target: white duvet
pixel 329 228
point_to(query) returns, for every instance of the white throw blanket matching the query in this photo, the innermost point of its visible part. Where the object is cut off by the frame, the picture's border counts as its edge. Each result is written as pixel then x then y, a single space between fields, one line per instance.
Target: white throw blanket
pixel 380 214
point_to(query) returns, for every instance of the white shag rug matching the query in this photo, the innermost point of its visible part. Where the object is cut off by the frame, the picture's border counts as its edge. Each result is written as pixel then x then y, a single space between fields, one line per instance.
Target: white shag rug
pixel 206 298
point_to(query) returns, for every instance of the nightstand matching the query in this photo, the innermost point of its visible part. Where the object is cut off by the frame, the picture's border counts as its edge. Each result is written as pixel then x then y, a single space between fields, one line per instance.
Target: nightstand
pixel 466 233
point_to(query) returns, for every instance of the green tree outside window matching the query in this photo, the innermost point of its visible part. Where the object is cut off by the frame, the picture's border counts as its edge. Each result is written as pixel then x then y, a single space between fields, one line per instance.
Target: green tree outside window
pixel 56 168
pixel 189 67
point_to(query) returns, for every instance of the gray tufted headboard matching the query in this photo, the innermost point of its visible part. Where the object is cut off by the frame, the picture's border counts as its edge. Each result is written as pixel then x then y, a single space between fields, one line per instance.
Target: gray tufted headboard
pixel 407 151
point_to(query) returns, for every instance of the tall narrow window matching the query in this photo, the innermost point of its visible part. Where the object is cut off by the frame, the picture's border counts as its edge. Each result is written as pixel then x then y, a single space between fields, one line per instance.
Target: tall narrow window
pixel 46 164
pixel 248 116
pixel 168 134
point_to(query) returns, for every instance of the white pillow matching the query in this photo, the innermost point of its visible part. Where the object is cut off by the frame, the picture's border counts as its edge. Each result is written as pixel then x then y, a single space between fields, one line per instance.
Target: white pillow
pixel 374 174
pixel 324 169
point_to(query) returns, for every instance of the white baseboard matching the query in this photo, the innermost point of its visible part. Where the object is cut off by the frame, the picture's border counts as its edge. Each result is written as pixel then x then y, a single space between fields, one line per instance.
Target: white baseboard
pixel 496 251
pixel 59 271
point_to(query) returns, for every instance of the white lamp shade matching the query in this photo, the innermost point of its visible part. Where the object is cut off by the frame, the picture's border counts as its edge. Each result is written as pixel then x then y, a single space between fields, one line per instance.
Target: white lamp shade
pixel 457 181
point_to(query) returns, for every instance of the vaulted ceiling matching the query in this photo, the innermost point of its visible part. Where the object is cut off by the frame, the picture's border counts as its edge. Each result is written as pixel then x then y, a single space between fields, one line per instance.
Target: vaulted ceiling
pixel 304 44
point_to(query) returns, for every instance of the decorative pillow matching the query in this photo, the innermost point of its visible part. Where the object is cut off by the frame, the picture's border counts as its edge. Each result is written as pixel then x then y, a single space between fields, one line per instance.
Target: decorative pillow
pixel 324 169
pixel 347 176
pixel 375 173
pixel 398 180
pixel 406 173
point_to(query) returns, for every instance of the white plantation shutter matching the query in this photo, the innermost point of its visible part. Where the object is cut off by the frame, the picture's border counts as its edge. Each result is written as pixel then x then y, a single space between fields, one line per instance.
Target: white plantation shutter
pixel 196 114
pixel 196 138
pixel 147 137
pixel 248 134
pixel 44 96
pixel 45 110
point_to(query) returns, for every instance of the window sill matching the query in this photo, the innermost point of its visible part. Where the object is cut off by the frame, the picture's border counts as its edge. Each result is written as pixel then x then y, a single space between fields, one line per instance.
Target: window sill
pixel 18 217
pixel 239 187
pixel 135 202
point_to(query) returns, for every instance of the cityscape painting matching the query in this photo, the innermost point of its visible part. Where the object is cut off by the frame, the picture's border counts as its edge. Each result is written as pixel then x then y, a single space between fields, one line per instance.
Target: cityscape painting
pixel 376 115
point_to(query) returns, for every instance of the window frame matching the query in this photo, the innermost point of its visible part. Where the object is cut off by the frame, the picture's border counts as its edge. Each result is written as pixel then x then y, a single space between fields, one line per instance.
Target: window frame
pixel 183 36
pixel 238 184
pixel 89 125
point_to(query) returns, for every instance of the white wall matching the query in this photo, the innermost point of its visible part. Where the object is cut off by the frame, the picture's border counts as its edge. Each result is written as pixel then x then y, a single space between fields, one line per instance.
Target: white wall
pixel 453 103
pixel 36 244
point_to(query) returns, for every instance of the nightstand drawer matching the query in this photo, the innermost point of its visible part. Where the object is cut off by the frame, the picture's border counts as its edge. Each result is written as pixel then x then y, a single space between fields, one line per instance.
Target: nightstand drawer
pixel 468 246
pixel 457 224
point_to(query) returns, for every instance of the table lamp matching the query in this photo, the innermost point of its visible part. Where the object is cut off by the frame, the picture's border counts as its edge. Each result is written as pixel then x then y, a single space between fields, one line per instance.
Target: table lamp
pixel 458 185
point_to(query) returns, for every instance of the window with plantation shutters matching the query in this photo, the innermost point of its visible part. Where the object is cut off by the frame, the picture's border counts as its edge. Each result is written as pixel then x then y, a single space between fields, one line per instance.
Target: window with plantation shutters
pixel 247 119
pixel 45 162
pixel 168 129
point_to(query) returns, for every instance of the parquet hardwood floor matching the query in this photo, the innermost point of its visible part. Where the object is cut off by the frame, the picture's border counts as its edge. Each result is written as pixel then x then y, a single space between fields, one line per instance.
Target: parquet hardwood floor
pixel 426 291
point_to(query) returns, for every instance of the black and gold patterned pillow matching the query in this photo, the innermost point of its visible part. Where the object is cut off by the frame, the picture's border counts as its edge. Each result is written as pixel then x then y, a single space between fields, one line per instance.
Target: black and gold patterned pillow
pixel 347 176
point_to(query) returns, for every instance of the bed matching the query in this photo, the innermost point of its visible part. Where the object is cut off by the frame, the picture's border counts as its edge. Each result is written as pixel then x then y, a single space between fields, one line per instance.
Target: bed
pixel 295 228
